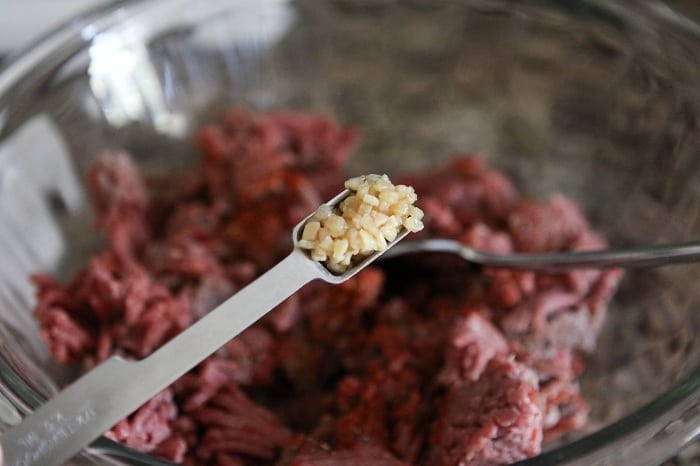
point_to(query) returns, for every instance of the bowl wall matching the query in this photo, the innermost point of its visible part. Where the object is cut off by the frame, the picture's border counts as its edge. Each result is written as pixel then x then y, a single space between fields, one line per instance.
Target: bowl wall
pixel 599 102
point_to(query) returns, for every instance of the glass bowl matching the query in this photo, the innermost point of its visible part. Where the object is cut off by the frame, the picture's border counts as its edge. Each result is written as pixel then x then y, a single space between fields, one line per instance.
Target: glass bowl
pixel 597 100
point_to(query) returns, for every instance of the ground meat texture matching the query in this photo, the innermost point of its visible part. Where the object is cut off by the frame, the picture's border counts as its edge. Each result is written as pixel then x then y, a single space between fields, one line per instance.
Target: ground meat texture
pixel 149 426
pixel 416 360
pixel 119 195
pixel 494 420
pixel 475 341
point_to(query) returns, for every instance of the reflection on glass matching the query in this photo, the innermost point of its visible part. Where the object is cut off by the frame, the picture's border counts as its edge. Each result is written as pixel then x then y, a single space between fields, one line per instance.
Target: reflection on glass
pixel 130 87
pixel 127 85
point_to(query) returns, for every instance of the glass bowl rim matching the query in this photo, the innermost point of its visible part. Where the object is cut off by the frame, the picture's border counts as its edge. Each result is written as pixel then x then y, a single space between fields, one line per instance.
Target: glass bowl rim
pixel 654 432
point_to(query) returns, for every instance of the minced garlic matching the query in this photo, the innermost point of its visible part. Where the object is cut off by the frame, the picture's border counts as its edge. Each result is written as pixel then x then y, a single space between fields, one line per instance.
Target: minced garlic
pixel 366 221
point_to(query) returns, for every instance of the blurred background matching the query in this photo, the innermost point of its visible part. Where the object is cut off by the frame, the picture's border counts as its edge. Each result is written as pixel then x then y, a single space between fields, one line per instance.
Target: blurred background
pixel 23 21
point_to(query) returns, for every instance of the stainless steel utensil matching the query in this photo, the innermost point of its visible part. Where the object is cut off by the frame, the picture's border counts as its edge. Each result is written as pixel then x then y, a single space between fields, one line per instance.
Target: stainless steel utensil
pixel 648 256
pixel 95 402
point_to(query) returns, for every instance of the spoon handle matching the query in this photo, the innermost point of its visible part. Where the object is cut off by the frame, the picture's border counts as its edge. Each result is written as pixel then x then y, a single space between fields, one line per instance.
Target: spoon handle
pixel 648 256
pixel 95 402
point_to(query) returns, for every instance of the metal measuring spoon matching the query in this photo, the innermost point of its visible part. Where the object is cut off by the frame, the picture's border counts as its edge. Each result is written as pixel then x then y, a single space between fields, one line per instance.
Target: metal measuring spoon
pixel 94 403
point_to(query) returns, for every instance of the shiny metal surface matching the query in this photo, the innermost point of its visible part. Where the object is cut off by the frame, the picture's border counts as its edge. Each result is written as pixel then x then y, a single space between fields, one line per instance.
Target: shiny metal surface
pixel 649 256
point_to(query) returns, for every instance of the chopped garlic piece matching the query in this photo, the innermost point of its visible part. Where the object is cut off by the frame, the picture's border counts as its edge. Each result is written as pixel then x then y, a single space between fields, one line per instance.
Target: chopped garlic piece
pixel 364 222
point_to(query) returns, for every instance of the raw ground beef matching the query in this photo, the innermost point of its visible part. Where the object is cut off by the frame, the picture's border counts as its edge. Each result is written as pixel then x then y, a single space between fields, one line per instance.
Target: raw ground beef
pixel 418 360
